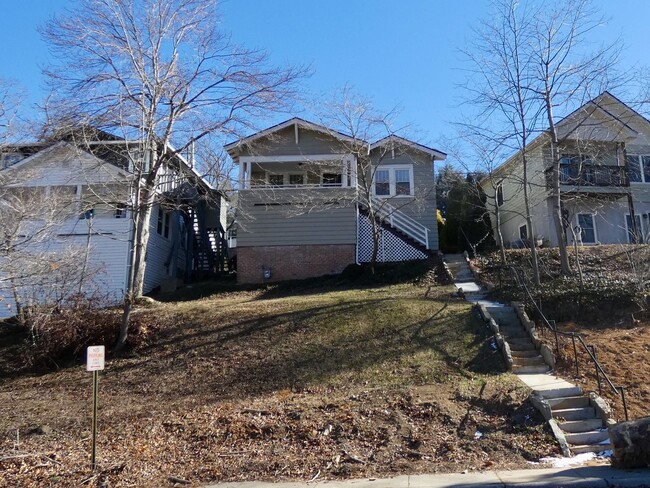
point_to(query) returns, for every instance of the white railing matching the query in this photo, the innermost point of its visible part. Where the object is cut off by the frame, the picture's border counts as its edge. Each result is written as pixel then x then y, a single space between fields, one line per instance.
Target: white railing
pixel 400 221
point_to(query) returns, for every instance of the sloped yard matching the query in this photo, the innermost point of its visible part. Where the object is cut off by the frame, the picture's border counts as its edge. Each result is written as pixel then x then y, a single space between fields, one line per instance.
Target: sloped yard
pixel 257 386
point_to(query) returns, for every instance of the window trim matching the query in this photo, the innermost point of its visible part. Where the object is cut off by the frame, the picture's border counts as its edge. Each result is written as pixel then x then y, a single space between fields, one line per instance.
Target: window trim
pixel 527 238
pixel 639 162
pixel 628 230
pixel 595 228
pixel 499 191
pixel 392 184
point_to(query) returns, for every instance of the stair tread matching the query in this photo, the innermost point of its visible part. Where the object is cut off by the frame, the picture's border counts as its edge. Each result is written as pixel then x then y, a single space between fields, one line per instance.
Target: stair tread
pixel 577 426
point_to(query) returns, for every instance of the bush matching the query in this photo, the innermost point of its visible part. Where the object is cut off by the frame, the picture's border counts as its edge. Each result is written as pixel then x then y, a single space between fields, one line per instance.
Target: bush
pixel 61 337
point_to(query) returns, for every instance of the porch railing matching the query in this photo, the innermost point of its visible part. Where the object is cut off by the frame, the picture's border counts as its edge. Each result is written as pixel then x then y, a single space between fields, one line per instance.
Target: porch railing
pixel 589 175
pixel 400 221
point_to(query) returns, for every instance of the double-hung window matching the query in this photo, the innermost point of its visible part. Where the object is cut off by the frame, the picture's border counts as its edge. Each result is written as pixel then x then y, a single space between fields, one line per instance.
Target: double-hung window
pixel 390 181
pixel 638 168
pixel 587 228
pixel 632 237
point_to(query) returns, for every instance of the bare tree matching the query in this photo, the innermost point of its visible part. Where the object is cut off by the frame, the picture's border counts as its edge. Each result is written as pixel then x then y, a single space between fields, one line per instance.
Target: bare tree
pixel 373 139
pixel 160 72
pixel 564 76
pixel 502 64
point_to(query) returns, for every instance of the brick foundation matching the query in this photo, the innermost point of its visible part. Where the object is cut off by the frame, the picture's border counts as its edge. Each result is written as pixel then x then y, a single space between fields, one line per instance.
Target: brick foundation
pixel 292 262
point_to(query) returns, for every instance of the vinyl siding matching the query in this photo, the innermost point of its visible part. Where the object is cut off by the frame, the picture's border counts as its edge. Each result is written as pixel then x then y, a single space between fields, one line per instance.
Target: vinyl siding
pixel 283 143
pixel 271 219
pixel 422 206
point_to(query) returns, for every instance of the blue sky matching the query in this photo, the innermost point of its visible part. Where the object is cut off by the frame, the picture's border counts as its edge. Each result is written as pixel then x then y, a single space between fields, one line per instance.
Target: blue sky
pixel 397 53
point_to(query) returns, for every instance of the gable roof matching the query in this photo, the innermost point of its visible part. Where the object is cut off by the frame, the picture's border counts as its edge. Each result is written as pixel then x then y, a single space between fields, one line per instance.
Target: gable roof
pixel 601 106
pixel 305 124
pixel 232 147
pixel 434 153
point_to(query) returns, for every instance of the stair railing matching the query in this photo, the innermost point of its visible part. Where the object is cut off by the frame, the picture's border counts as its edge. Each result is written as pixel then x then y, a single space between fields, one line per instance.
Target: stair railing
pixel 399 220
pixel 520 280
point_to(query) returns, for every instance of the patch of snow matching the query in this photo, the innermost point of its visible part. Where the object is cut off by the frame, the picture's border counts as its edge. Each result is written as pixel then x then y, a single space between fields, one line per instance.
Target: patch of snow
pixel 477 435
pixel 565 462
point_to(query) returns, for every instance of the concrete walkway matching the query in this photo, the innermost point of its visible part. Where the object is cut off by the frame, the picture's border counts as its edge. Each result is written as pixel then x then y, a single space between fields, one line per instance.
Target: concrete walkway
pixel 586 476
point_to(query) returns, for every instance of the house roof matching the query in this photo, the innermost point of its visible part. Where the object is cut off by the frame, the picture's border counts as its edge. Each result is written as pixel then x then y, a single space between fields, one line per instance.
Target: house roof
pixel 434 153
pixel 233 147
pixel 572 123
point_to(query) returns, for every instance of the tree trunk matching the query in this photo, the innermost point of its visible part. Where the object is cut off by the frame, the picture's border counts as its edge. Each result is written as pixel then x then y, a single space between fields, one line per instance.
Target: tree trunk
pixel 555 192
pixel 502 249
pixel 529 221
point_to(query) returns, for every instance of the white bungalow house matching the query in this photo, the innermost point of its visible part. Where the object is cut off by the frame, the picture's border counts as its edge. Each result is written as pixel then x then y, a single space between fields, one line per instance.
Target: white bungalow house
pixel 80 194
pixel 303 198
pixel 604 180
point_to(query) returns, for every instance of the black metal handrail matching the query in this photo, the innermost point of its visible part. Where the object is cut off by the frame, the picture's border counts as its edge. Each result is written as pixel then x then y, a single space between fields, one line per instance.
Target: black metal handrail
pixel 520 279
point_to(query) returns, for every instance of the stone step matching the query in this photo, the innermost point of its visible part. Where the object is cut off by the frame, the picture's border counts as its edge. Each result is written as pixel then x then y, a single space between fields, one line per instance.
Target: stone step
pixel 568 402
pixel 590 448
pixel 500 310
pixel 575 426
pixel 581 413
pixel 530 369
pixel 528 353
pixel 532 361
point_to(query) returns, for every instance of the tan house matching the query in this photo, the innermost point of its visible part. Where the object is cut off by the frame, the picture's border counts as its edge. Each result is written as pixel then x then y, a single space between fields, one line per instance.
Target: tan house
pixel 304 198
pixel 604 180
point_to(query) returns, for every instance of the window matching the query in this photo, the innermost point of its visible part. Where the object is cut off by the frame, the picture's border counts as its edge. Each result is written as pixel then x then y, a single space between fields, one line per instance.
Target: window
pixel 523 232
pixel 402 182
pixel 276 180
pixel 120 211
pixel 572 166
pixel 631 237
pixel 394 181
pixel 332 179
pixel 638 168
pixel 296 179
pixel 499 195
pixel 162 225
pixel 587 228
pixel 382 182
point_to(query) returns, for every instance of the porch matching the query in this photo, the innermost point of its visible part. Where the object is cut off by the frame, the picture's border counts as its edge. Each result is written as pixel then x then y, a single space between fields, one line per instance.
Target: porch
pixel 297 172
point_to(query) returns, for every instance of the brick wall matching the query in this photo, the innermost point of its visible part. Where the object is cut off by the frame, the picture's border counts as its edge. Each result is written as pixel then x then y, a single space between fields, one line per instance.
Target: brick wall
pixel 292 262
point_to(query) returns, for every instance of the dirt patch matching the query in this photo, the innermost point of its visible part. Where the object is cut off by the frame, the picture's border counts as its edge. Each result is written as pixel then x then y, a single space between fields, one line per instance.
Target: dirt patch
pixel 623 351
pixel 331 385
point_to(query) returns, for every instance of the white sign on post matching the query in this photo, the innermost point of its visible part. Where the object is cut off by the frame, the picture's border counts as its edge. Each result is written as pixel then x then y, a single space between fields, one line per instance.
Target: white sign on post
pixel 95 358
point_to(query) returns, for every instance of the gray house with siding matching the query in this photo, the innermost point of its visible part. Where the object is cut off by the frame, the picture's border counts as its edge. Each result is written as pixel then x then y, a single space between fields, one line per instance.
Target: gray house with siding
pixel 604 180
pixel 89 182
pixel 307 194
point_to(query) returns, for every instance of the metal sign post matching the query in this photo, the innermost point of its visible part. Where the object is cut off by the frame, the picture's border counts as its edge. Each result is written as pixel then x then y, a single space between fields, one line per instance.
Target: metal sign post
pixel 95 363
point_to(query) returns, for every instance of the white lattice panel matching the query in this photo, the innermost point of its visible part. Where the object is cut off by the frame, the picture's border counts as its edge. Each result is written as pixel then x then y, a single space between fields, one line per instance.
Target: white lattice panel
pixel 391 247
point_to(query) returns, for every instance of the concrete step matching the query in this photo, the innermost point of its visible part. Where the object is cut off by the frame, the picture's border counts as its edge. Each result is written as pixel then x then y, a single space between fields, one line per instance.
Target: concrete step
pixel 508 322
pixel 551 392
pixel 590 448
pixel 530 369
pixel 581 413
pixel 522 347
pixel 568 402
pixel 520 341
pixel 575 426
pixel 517 333
pixel 529 353
pixel 500 310
pixel 589 437
pixel 532 361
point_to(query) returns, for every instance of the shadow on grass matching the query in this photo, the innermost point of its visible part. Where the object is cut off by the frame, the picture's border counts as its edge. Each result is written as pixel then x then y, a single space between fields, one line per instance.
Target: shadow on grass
pixel 384 342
